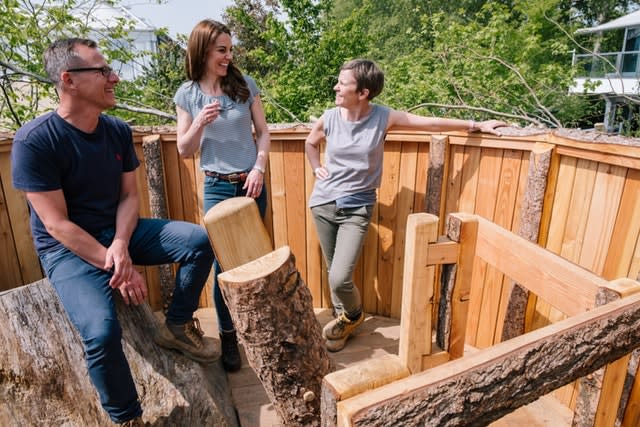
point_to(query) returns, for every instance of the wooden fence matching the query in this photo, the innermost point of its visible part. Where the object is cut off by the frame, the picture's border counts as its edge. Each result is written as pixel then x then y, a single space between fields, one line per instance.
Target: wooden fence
pixel 588 213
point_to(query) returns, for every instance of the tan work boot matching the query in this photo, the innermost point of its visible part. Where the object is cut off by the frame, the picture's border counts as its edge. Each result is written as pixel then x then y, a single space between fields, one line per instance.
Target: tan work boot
pixel 337 332
pixel 189 340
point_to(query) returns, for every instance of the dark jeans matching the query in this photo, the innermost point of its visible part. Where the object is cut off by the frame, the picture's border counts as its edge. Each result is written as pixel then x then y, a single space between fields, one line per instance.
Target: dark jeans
pixel 215 191
pixel 89 302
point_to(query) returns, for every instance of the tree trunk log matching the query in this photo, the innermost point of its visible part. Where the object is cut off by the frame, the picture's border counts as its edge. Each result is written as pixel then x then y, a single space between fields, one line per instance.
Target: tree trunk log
pixel 44 379
pixel 273 313
pixel 483 387
pixel 530 217
pixel 436 173
pixel 152 150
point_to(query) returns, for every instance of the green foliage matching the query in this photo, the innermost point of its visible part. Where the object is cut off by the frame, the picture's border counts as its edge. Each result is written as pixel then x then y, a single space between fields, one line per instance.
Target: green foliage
pixel 470 58
pixel 28 29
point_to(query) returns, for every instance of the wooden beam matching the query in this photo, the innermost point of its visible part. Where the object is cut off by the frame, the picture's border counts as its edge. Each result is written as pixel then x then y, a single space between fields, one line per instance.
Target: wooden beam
pixel 569 287
pixel 444 251
pixel 608 384
pixel 356 379
pixel 437 171
pixel 484 386
pixel 154 162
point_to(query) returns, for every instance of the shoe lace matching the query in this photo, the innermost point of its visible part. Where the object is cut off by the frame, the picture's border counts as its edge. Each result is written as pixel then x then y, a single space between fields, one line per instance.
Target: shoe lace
pixel 342 321
pixel 194 332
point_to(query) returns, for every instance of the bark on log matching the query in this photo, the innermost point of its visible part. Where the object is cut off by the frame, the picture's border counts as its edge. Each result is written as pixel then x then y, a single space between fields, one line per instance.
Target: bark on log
pixel 152 151
pixel 483 387
pixel 436 173
pixel 530 217
pixel 44 379
pixel 273 314
pixel 587 410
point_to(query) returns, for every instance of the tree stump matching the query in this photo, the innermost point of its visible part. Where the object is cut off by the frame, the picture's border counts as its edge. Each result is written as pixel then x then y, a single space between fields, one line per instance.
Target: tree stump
pixel 44 379
pixel 273 313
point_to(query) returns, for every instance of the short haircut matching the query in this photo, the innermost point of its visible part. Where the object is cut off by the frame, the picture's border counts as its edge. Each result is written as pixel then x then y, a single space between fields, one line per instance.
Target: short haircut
pixel 367 74
pixel 61 55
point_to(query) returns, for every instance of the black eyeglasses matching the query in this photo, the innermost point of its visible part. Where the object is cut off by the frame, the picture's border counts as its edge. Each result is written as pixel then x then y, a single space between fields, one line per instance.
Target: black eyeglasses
pixel 106 71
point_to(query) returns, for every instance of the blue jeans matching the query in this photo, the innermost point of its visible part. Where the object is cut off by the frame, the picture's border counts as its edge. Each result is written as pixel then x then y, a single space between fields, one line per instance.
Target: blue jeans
pixel 89 302
pixel 215 191
pixel 341 233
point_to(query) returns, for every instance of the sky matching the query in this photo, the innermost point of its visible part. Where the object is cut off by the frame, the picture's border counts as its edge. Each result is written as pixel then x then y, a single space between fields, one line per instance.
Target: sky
pixel 179 16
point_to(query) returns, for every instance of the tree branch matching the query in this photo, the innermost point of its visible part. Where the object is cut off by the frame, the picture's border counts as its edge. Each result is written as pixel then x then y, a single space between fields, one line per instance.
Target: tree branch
pixel 121 106
pixel 151 111
pixel 524 82
pixel 19 70
pixel 481 109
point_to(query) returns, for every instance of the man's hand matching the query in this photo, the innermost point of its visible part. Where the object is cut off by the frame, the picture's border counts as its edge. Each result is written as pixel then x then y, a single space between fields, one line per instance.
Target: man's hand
pixel 119 261
pixel 134 290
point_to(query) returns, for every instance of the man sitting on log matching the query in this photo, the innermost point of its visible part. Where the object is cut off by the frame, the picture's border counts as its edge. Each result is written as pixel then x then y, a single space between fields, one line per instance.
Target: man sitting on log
pixel 77 169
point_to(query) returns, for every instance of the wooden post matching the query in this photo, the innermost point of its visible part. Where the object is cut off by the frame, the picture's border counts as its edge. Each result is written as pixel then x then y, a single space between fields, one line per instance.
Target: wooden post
pixel 272 311
pixel 436 173
pixel 236 232
pixel 531 215
pixel 456 285
pixel 417 291
pixel 152 151
pixel 44 379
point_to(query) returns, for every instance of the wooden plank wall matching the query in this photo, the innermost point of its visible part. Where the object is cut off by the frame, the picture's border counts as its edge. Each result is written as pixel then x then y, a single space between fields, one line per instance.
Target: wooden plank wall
pixel 589 216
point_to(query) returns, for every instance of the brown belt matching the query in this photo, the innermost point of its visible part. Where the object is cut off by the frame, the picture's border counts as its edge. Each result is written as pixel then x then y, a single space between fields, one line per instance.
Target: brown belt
pixel 232 178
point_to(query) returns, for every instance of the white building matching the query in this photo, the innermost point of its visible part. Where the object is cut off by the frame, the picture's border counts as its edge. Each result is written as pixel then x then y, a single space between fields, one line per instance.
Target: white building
pixel 613 75
pixel 101 17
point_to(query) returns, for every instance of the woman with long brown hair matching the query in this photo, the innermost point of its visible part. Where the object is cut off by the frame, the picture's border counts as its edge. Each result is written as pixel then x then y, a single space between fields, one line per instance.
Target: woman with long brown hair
pixel 216 109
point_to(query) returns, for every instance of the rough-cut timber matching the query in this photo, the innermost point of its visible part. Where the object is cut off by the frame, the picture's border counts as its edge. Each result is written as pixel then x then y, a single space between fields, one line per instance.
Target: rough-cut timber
pixel 44 380
pixel 530 217
pixel 152 151
pixel 273 314
pixel 484 386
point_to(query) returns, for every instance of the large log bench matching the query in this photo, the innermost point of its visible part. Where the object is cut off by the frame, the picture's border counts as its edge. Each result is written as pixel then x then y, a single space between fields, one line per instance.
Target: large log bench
pixel 44 379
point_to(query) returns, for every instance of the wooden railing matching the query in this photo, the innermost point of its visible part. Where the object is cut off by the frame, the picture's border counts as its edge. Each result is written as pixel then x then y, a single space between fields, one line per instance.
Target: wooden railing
pixel 419 387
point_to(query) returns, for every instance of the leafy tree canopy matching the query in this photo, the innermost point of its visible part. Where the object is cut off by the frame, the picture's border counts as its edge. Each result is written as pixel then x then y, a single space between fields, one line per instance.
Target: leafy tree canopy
pixel 470 58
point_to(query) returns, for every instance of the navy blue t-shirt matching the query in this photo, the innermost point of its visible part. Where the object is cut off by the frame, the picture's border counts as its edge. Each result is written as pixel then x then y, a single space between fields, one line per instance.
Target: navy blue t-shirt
pixel 50 154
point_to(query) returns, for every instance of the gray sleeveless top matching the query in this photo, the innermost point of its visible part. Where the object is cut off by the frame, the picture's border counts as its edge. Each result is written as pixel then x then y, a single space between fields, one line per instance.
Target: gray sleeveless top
pixel 353 155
